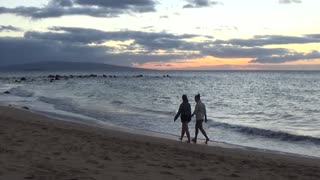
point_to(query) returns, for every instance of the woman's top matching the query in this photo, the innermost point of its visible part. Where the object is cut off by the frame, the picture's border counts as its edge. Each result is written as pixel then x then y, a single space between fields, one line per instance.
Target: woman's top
pixel 185 112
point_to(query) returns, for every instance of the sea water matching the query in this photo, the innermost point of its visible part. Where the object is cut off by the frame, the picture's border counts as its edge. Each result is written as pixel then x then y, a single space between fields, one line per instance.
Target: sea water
pixel 275 110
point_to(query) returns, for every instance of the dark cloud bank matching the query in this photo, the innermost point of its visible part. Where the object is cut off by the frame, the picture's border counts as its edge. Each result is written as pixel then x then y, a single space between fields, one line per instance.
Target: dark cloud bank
pixel 9 28
pixel 95 8
pixel 85 45
pixel 102 8
pixel 72 44
pixel 200 3
pixel 289 1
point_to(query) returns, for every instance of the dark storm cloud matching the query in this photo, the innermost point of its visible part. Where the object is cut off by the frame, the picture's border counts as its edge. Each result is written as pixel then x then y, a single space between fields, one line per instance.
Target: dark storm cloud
pixel 83 45
pixel 272 40
pixel 36 50
pixel 136 5
pixel 9 28
pixel 200 3
pixel 22 50
pixel 148 40
pixel 63 3
pixel 295 56
pixel 252 49
pixel 72 44
pixel 95 8
pixel 50 12
pixel 313 36
pixel 289 1
pixel 164 17
pixel 69 35
pixel 239 52
pixel 260 55
pixel 148 27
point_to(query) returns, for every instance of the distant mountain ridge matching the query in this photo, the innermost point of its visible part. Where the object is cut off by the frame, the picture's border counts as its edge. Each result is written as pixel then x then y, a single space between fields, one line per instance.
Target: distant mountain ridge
pixel 66 66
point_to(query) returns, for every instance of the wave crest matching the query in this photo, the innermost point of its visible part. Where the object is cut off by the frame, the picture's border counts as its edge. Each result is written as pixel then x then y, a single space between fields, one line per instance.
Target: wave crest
pixel 19 91
pixel 283 136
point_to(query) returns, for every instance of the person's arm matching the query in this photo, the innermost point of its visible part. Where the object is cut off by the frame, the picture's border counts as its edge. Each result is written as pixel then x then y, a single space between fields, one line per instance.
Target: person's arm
pixel 205 113
pixel 195 110
pixel 178 113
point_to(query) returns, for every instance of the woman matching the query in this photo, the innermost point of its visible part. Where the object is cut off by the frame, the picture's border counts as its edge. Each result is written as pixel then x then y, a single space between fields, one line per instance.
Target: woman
pixel 185 115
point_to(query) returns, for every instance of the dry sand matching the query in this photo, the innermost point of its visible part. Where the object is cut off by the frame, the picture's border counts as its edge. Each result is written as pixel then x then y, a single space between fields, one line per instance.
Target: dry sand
pixel 34 146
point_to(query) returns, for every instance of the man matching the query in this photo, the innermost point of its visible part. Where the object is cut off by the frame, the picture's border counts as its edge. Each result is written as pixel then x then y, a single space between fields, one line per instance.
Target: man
pixel 201 115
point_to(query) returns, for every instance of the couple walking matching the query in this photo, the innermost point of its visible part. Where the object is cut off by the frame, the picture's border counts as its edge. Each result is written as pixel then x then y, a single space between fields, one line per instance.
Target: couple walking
pixel 185 115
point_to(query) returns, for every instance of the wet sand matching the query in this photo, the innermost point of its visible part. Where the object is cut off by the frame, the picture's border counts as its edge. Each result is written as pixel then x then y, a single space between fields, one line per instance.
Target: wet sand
pixel 34 146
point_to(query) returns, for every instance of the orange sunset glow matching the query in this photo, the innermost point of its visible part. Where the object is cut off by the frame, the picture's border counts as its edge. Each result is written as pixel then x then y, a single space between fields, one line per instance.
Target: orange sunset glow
pixel 194 63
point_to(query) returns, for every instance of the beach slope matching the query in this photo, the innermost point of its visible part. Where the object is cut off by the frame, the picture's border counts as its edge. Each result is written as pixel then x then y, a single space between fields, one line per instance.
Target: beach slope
pixel 34 146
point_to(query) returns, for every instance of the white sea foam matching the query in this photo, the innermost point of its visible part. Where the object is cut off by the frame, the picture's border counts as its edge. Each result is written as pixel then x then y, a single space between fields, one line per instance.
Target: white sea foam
pixel 19 91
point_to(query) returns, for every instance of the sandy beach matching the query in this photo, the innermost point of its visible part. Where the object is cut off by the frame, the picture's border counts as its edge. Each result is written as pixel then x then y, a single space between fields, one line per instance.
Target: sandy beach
pixel 34 146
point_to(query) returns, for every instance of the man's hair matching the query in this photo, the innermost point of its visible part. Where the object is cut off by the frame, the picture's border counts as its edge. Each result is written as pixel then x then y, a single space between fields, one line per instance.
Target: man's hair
pixel 197 96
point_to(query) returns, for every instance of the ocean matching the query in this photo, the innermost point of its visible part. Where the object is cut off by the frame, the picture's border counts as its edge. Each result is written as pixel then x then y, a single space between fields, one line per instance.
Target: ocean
pixel 269 110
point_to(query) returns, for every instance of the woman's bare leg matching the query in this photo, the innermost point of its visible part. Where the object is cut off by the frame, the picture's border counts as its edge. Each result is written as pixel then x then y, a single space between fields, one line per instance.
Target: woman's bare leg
pixel 182 131
pixel 187 132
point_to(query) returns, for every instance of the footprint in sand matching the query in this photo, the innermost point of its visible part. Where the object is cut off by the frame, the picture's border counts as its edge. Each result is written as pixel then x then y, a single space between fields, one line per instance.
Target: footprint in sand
pixel 234 175
pixel 153 165
pixel 19 141
pixel 90 161
pixel 57 153
pixel 222 159
pixel 167 166
pixel 181 165
pixel 107 158
pixel 29 177
pixel 101 166
pixel 166 172
pixel 199 169
pixel 206 178
pixel 193 164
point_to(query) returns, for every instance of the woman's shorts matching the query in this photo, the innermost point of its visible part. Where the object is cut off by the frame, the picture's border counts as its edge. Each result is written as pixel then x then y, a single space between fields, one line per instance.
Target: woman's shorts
pixel 185 118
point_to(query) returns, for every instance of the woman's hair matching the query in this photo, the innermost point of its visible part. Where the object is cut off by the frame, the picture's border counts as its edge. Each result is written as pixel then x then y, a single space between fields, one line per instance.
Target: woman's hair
pixel 184 98
pixel 197 96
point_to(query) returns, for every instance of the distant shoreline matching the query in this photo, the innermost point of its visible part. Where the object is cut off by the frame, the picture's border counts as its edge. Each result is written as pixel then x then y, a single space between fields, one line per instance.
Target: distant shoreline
pixel 56 66
pixel 61 66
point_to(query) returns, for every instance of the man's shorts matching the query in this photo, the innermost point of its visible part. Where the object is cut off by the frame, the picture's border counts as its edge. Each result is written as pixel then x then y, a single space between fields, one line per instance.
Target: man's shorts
pixel 199 122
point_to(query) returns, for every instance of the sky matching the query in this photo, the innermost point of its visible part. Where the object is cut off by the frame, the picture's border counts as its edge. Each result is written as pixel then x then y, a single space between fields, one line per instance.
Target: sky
pixel 164 34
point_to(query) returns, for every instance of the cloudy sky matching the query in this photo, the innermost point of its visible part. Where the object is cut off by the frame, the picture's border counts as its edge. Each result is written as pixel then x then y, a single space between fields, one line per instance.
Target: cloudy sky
pixel 163 34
